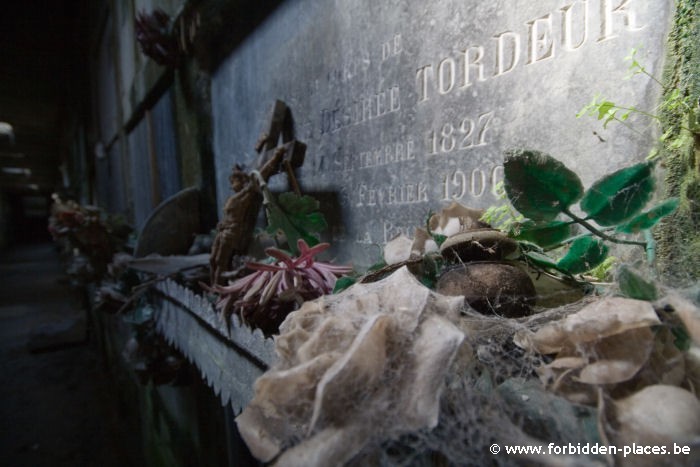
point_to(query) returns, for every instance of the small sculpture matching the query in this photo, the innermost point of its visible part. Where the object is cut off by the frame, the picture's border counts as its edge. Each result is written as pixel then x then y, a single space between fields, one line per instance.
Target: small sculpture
pixel 240 212
pixel 234 232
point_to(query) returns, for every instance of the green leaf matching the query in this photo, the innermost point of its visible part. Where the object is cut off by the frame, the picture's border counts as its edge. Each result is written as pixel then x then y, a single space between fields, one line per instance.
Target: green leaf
pixel 649 219
pixel 682 339
pixel 633 285
pixel 544 234
pixel 667 134
pixel 304 211
pixel 295 216
pixel 584 254
pixel 539 186
pixel 674 100
pixel 602 272
pixel 588 108
pixel 604 108
pixel 609 118
pixel 343 283
pixel 502 217
pixel 541 260
pixel 377 266
pixel 439 239
pixel 620 195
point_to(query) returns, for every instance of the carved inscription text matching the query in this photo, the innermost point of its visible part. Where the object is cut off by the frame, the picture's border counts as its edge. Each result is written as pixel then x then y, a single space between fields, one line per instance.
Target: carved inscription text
pixel 566 29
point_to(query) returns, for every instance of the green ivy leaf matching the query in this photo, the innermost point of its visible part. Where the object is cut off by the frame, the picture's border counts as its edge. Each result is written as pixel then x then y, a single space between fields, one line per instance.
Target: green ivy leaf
pixel 649 219
pixel 539 186
pixel 634 285
pixel 584 254
pixel 544 234
pixel 620 195
pixel 297 217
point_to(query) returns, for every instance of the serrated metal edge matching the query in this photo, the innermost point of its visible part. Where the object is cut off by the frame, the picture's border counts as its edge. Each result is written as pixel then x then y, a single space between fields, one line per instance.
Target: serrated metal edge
pixel 229 362
pixel 252 340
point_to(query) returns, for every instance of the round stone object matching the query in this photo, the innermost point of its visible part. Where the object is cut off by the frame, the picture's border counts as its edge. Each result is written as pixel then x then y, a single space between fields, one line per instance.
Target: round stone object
pixel 490 287
pixel 478 245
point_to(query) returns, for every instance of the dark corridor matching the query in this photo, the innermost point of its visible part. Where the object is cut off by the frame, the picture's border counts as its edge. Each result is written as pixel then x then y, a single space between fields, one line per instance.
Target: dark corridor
pixel 57 404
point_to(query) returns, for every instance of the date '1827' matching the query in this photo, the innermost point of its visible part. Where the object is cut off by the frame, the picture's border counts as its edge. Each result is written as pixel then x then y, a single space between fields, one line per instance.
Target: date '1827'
pixel 467 134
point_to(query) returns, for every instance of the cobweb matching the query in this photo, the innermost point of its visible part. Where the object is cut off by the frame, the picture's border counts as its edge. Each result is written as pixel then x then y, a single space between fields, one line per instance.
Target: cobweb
pixel 482 404
pixel 352 386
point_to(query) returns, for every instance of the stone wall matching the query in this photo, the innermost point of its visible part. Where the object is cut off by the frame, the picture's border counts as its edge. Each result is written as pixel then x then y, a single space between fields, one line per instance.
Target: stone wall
pixel 406 106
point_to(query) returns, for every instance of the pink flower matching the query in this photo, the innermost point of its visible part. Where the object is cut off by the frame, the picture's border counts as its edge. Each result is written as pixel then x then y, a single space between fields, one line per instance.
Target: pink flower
pixel 267 295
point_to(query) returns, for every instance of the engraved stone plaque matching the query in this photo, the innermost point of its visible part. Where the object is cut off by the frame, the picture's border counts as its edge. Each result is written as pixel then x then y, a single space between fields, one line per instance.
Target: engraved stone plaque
pixel 407 105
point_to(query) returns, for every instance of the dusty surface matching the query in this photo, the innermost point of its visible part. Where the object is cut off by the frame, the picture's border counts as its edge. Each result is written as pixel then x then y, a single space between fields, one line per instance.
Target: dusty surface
pixel 55 398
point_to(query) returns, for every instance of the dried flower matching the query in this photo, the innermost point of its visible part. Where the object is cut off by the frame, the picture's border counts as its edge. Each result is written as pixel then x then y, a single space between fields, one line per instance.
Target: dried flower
pixel 264 298
pixel 87 230
pixel 155 38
